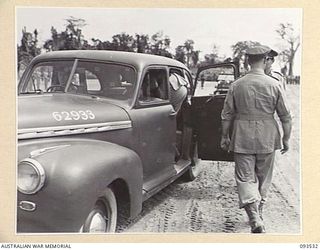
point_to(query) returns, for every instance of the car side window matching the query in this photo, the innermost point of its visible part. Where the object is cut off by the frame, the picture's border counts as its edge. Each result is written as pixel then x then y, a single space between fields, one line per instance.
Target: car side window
pixel 93 83
pixel 154 86
pixel 107 80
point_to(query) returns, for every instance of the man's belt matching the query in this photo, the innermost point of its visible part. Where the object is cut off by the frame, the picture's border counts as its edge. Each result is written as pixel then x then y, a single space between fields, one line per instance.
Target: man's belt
pixel 254 117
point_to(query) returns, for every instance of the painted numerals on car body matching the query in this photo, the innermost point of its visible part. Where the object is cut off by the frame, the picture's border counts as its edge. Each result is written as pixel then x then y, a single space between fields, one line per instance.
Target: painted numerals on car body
pixel 73 115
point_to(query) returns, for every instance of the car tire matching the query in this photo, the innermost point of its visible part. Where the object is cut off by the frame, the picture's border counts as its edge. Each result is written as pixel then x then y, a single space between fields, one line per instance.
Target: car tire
pixel 194 168
pixel 103 217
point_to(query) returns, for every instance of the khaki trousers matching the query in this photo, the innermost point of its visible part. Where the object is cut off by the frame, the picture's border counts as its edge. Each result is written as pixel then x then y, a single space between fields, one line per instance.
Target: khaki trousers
pixel 253 173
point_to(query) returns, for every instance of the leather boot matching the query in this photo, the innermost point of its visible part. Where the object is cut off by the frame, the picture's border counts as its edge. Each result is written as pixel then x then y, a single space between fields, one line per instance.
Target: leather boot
pixel 255 221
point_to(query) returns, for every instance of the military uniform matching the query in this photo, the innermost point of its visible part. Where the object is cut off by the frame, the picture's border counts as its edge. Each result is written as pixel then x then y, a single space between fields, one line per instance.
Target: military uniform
pixel 279 77
pixel 251 103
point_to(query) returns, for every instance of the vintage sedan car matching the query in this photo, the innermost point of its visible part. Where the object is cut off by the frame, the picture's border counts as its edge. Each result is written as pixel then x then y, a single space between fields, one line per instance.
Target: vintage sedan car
pixel 224 81
pixel 96 139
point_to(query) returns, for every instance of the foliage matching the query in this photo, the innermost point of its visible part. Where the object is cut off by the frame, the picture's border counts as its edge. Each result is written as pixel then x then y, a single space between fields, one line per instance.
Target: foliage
pixel 195 57
pixel 239 50
pixel 72 39
pixel 160 44
pixel 122 42
pixel 186 54
pixel 180 54
pixel 100 45
pixel 69 39
pixel 142 43
pixel 292 40
pixel 28 48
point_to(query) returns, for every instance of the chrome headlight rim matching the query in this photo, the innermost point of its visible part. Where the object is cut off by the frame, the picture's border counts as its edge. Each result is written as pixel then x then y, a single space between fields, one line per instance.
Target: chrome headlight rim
pixel 40 172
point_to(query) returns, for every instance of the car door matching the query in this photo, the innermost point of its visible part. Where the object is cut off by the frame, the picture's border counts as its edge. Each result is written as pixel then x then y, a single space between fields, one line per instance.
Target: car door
pixel 156 121
pixel 210 89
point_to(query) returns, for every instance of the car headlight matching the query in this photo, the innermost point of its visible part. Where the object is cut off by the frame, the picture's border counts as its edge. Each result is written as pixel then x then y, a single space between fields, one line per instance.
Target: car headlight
pixel 31 176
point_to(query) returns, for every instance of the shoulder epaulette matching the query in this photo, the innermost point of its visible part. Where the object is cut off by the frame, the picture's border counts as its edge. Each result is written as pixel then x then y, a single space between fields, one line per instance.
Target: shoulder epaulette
pixel 277 73
pixel 274 77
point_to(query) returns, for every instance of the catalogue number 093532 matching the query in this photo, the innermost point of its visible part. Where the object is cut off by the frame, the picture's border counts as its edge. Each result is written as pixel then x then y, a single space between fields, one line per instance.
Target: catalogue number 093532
pixel 309 245
pixel 73 115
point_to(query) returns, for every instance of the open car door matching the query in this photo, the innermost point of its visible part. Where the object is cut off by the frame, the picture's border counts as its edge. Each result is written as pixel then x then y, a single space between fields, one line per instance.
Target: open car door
pixel 210 89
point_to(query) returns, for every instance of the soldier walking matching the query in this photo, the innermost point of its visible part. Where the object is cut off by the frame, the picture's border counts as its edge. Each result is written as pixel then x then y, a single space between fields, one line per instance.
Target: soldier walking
pixel 250 105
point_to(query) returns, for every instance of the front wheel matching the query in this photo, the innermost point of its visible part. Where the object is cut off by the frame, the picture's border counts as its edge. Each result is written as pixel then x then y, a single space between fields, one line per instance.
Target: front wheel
pixel 103 216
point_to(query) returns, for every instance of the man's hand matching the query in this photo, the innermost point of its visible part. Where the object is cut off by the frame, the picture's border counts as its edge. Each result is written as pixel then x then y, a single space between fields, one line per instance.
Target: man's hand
pixel 285 146
pixel 225 142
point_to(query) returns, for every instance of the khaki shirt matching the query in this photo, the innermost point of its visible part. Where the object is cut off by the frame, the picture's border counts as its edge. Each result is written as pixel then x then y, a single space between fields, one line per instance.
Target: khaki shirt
pixel 251 102
pixel 279 77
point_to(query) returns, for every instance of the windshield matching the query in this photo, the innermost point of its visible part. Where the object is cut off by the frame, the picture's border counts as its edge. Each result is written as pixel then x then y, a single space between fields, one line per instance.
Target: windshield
pixel 81 77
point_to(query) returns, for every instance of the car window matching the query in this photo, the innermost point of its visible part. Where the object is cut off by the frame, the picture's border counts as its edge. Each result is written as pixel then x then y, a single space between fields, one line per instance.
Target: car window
pixel 46 77
pixel 154 86
pixel 107 80
pixel 93 83
pixel 215 80
pixel 94 78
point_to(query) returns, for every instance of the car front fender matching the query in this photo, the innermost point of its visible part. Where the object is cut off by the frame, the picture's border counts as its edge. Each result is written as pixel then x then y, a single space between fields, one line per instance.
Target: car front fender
pixel 77 173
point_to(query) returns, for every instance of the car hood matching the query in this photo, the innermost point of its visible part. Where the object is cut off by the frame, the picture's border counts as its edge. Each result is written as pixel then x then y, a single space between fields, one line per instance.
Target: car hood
pixel 63 114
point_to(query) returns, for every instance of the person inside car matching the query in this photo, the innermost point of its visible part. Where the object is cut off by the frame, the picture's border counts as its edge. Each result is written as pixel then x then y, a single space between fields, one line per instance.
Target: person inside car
pixel 178 90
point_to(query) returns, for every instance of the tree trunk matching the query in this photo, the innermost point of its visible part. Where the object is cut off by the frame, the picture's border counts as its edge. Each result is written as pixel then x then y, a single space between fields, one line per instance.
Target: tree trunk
pixel 291 62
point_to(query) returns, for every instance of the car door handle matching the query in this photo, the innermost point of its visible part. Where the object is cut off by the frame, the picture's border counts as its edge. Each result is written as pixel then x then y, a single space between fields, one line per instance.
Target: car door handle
pixel 209 99
pixel 173 114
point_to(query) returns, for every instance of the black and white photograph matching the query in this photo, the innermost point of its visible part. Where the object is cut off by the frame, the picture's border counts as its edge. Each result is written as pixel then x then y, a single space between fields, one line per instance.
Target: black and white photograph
pixel 158 120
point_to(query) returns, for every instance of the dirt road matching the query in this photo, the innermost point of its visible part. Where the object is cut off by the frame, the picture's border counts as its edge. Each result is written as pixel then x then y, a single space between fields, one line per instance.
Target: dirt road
pixel 210 203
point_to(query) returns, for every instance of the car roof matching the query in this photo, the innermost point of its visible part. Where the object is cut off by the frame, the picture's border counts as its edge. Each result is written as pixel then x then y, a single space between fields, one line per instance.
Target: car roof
pixel 138 60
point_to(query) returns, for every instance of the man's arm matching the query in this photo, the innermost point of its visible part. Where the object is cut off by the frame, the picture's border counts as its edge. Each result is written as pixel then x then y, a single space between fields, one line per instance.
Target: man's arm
pixel 226 118
pixel 225 139
pixel 286 126
pixel 285 118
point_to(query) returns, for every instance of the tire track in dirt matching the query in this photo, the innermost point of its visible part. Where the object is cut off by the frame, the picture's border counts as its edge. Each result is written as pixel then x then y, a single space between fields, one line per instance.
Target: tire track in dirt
pixel 210 205
pixel 195 217
pixel 228 198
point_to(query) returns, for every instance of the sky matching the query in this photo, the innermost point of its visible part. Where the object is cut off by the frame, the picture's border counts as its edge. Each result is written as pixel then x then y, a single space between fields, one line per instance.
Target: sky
pixel 206 26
